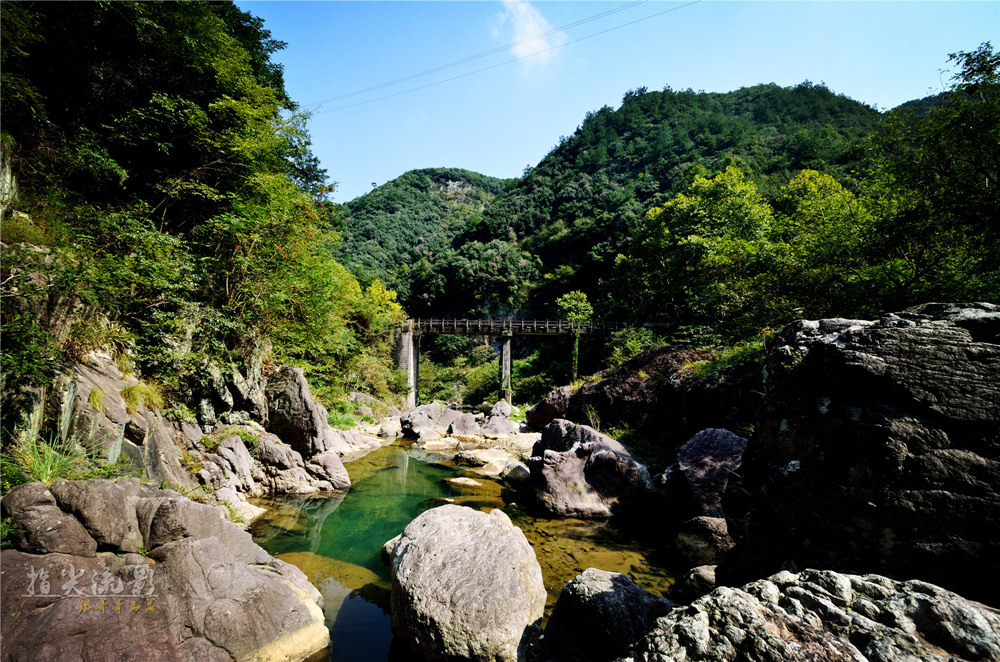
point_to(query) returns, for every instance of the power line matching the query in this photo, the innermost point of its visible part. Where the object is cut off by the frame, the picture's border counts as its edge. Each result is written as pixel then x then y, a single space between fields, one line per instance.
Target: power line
pixel 478 56
pixel 506 62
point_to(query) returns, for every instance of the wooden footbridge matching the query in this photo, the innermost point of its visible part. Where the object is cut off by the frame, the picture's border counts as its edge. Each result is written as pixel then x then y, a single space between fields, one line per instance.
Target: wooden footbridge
pixel 408 341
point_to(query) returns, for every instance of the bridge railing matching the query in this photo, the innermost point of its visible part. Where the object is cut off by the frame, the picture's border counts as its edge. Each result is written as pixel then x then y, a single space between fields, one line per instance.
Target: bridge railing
pixel 505 326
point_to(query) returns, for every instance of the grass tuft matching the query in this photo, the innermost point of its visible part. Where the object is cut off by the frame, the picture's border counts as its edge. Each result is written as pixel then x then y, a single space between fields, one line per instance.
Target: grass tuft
pixel 140 395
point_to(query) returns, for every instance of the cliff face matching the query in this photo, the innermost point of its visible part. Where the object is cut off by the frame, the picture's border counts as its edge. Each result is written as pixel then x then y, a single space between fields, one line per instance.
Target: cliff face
pixel 879 450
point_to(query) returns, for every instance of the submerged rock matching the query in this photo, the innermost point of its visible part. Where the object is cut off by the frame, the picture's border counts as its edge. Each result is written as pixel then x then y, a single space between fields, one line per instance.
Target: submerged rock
pixel 465 585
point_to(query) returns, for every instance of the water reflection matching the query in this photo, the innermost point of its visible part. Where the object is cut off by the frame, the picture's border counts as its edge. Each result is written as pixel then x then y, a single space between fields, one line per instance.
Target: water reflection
pixel 337 540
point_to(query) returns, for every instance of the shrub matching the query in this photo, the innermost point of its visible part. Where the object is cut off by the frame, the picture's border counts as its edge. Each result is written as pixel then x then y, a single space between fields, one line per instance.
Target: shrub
pixel 7 531
pixel 746 352
pixel 232 514
pixel 19 227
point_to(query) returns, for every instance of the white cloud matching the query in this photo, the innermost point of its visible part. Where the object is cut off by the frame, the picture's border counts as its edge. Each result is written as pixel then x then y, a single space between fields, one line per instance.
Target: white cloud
pixel 532 37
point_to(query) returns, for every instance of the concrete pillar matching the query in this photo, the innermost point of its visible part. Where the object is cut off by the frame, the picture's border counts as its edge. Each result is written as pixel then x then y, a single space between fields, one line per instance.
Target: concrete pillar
pixel 505 368
pixel 407 355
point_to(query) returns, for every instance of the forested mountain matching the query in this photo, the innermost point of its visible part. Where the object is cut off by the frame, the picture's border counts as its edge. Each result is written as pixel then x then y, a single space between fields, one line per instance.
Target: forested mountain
pixel 406 223
pixel 560 227
pixel 577 209
pixel 168 205
pixel 739 211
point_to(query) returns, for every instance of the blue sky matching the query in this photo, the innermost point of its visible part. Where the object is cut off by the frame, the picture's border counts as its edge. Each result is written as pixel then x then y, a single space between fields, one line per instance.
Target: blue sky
pixel 507 109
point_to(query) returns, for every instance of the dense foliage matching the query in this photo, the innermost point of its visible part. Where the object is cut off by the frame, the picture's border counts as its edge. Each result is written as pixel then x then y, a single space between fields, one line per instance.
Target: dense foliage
pixel 397 231
pixel 724 215
pixel 739 211
pixel 165 172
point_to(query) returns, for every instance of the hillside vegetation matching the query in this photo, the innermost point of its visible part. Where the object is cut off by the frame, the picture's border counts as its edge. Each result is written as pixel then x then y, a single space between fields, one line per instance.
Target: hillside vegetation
pixel 169 209
pixel 736 212
pixel 395 232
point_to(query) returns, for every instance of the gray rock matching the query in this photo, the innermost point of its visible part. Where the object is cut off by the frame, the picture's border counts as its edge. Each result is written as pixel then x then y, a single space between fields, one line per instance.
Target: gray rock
pixel 579 472
pixel 271 452
pixel 293 415
pixel 328 466
pixel 823 615
pixel 106 508
pixel 162 458
pixel 248 390
pixel 345 442
pixel 480 457
pixel 878 450
pixel 502 409
pixel 707 461
pixel 515 474
pixel 598 616
pixel 197 602
pixel 464 426
pixel 552 406
pixel 32 508
pixel 248 612
pixel 165 519
pixel 291 481
pixel 390 427
pixel 695 583
pixel 237 457
pixel 703 540
pixel 498 426
pixel 465 585
pixel 422 422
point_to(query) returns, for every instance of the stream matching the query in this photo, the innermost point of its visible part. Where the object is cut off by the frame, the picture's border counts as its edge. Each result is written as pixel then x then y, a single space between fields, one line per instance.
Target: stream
pixel 337 538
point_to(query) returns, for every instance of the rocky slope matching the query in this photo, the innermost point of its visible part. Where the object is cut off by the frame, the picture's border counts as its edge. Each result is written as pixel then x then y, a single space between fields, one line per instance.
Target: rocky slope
pixel 120 570
pixel 879 450
pixel 817 616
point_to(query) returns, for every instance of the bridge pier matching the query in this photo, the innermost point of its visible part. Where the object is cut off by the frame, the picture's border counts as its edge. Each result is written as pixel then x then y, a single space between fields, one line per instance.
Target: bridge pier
pixel 506 392
pixel 407 357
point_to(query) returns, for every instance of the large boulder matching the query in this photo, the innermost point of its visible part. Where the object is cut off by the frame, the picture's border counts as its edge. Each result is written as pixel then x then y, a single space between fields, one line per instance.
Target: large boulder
pixel 465 585
pixel 293 415
pixel 878 450
pixel 428 422
pixel 554 405
pixel 823 616
pixel 598 615
pixel 498 426
pixel 205 591
pixel 105 507
pixel 704 476
pixel 329 467
pixel 41 527
pixel 578 472
pixel 502 408
pixel 464 426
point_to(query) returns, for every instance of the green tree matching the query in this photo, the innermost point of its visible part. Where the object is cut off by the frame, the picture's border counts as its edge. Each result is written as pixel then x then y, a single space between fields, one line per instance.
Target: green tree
pixel 700 256
pixel 937 187
pixel 574 307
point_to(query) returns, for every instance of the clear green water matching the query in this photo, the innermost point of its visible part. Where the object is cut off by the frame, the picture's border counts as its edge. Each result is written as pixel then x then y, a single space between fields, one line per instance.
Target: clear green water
pixel 337 541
